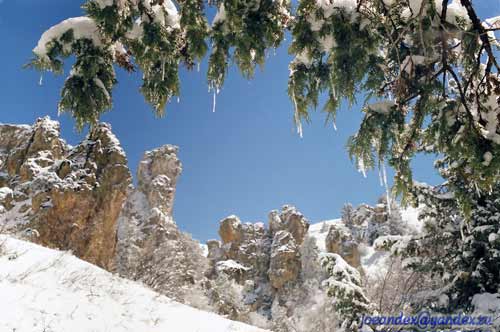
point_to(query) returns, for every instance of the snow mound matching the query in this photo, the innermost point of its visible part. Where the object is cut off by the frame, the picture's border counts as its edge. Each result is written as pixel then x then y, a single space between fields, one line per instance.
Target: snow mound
pixel 319 231
pixel 374 260
pixel 48 290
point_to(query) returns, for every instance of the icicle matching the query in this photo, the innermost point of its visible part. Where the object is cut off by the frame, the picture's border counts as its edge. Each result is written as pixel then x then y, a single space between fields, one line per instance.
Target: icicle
pixel 334 126
pixel 253 54
pixel 40 81
pixel 198 67
pixel 380 177
pixel 478 191
pixel 387 192
pixel 163 70
pixel 214 101
pixel 296 116
pixel 361 167
pixel 178 99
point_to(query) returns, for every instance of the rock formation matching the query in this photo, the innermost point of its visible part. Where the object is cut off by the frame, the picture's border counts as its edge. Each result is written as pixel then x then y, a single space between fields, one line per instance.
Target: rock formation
pixel 264 261
pixel 63 197
pixel 81 199
pixel 150 246
pixel 146 217
pixel 285 260
pixel 267 254
pixel 340 240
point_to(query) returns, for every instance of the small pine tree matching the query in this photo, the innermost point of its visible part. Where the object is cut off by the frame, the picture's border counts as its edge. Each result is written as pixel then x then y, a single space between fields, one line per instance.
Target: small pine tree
pixel 348 214
pixel 395 220
pixel 309 255
pixel 477 265
pixel 464 251
pixel 344 286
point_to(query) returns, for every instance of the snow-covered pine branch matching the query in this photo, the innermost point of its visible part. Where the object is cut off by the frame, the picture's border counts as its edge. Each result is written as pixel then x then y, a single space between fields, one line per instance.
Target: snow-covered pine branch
pixel 427 68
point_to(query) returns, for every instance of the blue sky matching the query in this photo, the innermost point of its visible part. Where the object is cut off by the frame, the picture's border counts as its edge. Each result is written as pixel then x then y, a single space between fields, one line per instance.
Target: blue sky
pixel 244 159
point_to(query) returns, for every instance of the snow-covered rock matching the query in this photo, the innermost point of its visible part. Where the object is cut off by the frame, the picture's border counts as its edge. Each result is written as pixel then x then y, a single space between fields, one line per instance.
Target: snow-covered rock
pixel 150 246
pixel 69 197
pixel 49 290
pixel 285 260
pixel 369 232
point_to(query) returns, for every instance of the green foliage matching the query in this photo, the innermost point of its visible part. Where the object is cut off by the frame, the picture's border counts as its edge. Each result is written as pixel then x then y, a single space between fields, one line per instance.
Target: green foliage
pixel 113 21
pixel 195 26
pixel 250 28
pixel 344 286
pixel 438 73
pixel 335 58
pixel 87 91
pixel 463 251
pixel 156 54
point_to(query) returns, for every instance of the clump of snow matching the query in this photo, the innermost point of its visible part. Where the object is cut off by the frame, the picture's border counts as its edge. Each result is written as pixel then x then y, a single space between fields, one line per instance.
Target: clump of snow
pixel 493 237
pixel 48 290
pixel 487 158
pixel 220 16
pixel 455 13
pixel 137 30
pixel 487 116
pixel 342 276
pixel 410 217
pixel 165 14
pixel 83 28
pixel 395 244
pixel 5 192
pixel 230 265
pixel 383 107
pixel 319 231
pixel 318 18
pixel 204 249
pixel 486 303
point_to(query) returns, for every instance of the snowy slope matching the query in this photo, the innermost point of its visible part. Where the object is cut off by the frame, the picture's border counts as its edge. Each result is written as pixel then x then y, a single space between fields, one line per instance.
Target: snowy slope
pixel 374 262
pixel 47 290
pixel 319 231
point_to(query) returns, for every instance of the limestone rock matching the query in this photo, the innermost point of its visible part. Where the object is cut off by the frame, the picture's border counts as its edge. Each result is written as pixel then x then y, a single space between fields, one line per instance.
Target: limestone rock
pixel 340 240
pixel 230 230
pixel 233 270
pixel 291 220
pixel 255 247
pixel 285 260
pixel 150 246
pixel 6 198
pixel 77 211
pixel 147 212
pixel 215 252
pixel 157 177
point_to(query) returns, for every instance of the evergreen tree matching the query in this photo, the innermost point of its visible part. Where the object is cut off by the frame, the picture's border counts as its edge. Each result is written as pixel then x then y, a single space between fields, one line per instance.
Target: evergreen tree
pixel 348 214
pixel 478 260
pixel 434 251
pixel 428 69
pixel 344 286
pixel 463 251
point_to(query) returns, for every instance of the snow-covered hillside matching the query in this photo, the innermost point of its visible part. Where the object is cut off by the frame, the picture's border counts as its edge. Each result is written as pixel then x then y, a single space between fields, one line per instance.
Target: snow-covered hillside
pixel 374 262
pixel 319 231
pixel 47 290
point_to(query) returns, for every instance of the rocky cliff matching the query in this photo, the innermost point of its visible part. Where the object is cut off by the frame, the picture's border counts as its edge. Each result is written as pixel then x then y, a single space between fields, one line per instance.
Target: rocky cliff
pixel 150 247
pixel 81 198
pixel 61 196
